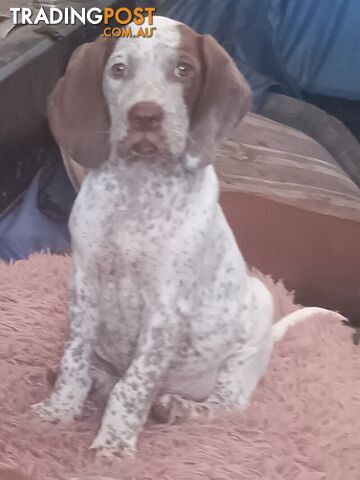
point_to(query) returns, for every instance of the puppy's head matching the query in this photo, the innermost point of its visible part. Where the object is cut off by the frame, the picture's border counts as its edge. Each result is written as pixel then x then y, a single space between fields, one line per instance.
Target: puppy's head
pixel 173 96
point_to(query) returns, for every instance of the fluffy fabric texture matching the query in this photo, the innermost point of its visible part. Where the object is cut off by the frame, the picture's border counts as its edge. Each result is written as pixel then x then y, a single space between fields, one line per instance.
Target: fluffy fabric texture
pixel 303 422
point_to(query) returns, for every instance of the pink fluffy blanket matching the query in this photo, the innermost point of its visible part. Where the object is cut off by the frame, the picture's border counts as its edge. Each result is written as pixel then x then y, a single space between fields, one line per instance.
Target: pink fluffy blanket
pixel 303 422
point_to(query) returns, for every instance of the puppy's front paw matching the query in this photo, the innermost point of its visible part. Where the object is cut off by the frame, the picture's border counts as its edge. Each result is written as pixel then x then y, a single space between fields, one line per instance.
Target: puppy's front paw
pixel 49 413
pixel 108 444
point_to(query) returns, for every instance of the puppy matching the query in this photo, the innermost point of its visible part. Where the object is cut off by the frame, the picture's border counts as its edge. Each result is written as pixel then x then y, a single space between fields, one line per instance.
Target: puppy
pixel 163 313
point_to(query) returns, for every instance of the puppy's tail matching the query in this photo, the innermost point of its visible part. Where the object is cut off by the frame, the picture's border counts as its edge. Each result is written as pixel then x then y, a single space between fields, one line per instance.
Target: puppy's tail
pixel 280 328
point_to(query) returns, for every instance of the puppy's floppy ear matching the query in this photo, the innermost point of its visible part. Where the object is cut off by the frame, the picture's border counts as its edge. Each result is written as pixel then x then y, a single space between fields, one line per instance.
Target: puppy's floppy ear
pixel 224 99
pixel 77 111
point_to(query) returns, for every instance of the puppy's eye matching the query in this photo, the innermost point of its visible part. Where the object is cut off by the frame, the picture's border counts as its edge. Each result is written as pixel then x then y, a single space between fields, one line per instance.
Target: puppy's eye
pixel 183 70
pixel 119 70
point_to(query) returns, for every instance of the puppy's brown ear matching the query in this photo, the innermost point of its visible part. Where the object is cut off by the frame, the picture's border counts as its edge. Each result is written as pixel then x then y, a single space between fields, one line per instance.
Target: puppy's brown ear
pixel 224 99
pixel 77 112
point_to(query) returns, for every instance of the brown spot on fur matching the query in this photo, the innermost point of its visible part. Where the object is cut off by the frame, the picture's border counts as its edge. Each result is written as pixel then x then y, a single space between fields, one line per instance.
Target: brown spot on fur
pixel 78 116
pixel 216 90
pixel 190 51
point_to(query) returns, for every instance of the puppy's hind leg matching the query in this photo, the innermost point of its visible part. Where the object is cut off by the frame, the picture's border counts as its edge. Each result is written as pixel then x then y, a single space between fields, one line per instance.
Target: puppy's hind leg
pixel 237 380
pixel 238 376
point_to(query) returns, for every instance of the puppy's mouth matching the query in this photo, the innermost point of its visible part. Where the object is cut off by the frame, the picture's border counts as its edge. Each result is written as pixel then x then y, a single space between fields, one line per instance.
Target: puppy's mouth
pixel 144 148
pixel 145 145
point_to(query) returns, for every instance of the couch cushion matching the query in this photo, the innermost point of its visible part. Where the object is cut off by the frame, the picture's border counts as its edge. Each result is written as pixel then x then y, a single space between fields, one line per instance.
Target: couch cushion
pixel 280 163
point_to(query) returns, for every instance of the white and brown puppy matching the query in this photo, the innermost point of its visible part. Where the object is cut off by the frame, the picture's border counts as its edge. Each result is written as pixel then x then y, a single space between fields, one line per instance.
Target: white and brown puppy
pixel 159 296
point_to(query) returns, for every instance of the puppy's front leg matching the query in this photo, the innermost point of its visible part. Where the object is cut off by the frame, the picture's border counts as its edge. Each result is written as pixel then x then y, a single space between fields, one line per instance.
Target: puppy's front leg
pixel 131 398
pixel 74 381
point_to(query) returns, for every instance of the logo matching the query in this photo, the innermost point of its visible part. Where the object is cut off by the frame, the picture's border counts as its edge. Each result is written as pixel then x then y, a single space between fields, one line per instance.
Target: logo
pixel 117 21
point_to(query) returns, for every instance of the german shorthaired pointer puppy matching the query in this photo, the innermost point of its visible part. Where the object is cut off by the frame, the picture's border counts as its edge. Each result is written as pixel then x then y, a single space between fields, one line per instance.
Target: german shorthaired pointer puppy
pixel 164 317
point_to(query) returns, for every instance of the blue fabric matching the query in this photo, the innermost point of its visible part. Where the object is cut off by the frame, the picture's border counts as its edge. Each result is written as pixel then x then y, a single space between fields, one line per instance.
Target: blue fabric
pixel 26 229
pixel 285 45
pixel 319 43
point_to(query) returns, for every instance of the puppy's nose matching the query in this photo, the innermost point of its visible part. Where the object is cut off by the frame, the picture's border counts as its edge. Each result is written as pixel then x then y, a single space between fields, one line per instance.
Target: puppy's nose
pixel 146 116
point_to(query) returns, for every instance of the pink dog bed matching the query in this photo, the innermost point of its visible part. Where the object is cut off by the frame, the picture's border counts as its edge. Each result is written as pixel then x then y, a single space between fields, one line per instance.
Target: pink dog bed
pixel 303 422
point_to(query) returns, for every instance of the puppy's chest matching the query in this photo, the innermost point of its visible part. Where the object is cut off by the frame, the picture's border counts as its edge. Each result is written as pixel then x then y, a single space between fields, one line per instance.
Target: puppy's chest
pixel 121 237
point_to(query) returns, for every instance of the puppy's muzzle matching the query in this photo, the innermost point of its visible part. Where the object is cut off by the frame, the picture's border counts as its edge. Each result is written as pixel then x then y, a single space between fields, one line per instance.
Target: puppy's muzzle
pixel 146 116
pixel 145 126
